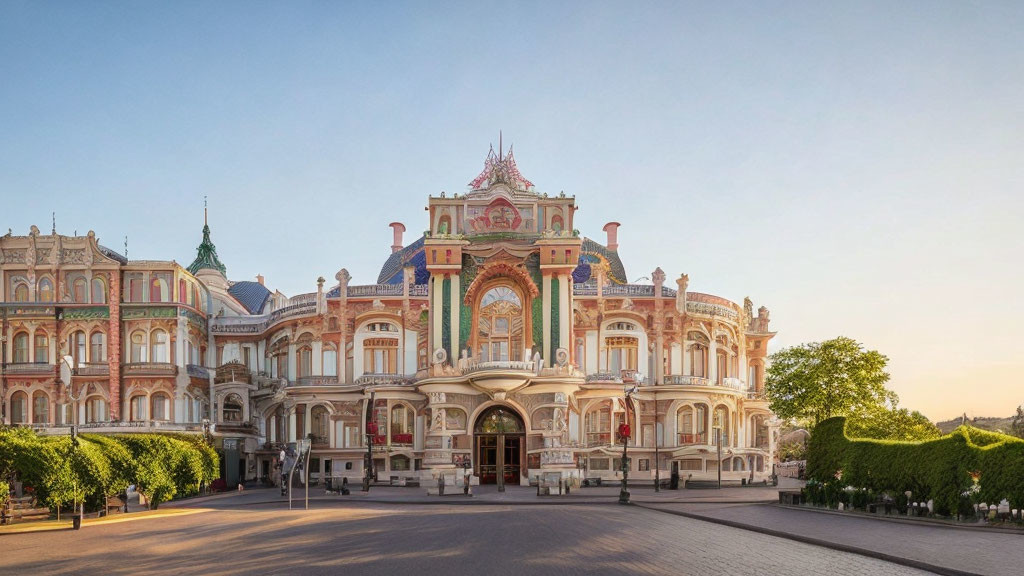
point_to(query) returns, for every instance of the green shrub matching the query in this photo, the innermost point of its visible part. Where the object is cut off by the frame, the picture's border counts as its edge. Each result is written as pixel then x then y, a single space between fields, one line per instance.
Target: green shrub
pixel 936 469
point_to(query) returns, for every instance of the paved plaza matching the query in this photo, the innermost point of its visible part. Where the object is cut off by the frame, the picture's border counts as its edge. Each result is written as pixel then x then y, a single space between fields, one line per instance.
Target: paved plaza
pixel 375 538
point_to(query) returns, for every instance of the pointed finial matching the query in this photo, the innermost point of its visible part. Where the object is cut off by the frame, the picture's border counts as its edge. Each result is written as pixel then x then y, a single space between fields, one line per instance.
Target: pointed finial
pixel 205 223
pixel 501 148
pixel 126 247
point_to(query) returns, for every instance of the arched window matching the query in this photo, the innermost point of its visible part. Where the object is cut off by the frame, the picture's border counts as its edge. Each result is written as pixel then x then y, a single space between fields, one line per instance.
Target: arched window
pixel 45 290
pixel 40 408
pixel 160 407
pixel 138 347
pixel 76 346
pixel 194 355
pixel 684 426
pixel 500 325
pixel 444 225
pixel 402 424
pixel 698 360
pixel 556 223
pixel 42 349
pixel 499 420
pixel 597 425
pixel 622 353
pixel 19 408
pixel 21 292
pixel 99 290
pixel 157 289
pixel 158 343
pixel 95 409
pixel 134 287
pixel 305 361
pixel 79 288
pixel 721 425
pixel 319 425
pixel 97 351
pixel 21 348
pixel 137 406
pixel 233 408
pixel 758 432
pixel 380 356
pixel 330 361
pixel 65 414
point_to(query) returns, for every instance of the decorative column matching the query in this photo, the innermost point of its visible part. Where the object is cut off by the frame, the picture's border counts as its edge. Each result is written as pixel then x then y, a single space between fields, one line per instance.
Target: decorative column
pixel 713 355
pixel 114 344
pixel 291 359
pixel 546 313
pixel 455 316
pixel 564 312
pixel 436 308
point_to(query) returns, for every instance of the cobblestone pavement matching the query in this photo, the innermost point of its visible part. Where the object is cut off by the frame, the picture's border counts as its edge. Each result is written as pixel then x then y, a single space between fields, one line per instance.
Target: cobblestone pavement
pixel 968 550
pixel 387 539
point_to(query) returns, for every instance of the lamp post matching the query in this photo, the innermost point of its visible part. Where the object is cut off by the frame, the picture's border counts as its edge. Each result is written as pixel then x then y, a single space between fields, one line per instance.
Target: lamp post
pixel 371 431
pixel 657 452
pixel 67 366
pixel 625 431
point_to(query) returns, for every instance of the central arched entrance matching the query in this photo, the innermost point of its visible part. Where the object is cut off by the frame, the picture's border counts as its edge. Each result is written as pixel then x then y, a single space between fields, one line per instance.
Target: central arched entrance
pixel 498 437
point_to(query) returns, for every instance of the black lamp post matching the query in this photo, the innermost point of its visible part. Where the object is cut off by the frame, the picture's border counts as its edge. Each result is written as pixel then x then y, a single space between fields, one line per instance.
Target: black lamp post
pixel 371 431
pixel 625 431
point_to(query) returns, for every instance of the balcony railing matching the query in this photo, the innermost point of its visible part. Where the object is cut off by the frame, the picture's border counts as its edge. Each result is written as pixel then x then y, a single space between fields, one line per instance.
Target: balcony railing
pixel 150 369
pixel 383 380
pixel 691 439
pixel 598 439
pixel 521 365
pixel 402 439
pixel 418 290
pixel 31 368
pixel 604 377
pixel 317 381
pixel 375 290
pixel 682 380
pixel 733 383
pixel 756 395
pixel 584 289
pixel 628 290
pixel 92 369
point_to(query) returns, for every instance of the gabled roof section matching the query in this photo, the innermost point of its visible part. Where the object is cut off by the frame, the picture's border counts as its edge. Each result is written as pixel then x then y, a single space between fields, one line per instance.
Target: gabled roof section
pixel 253 296
pixel 206 255
pixel 593 253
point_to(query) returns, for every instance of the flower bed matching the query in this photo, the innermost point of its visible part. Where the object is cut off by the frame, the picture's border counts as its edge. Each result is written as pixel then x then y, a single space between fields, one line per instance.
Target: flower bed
pixel 951 476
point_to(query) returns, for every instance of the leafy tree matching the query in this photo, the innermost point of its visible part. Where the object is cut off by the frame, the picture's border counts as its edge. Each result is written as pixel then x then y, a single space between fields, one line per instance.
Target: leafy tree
pixel 892 424
pixel 820 380
pixel 1017 426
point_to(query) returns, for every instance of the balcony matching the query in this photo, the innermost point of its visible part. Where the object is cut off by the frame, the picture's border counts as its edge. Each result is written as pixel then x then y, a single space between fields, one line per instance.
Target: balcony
pixel 150 369
pixel 520 365
pixel 598 439
pixel 382 380
pixel 604 377
pixel 31 369
pixel 734 383
pixel 693 439
pixel 375 290
pixel 317 381
pixel 92 369
pixel 681 380
pixel 756 395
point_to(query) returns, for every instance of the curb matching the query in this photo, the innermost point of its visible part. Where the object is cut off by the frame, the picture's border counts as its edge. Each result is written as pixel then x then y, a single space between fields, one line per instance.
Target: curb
pixel 55 526
pixel 462 500
pixel 945 571
pixel 910 521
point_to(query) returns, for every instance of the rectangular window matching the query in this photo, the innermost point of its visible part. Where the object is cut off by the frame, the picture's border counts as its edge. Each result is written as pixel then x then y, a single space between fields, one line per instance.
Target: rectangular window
pixel 644 465
pixel 330 363
pixel 599 464
pixel 691 464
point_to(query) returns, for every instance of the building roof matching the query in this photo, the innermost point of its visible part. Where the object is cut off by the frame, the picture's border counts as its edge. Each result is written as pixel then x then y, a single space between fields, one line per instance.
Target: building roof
pixel 411 255
pixel 500 168
pixel 251 295
pixel 593 252
pixel 206 255
pixel 112 255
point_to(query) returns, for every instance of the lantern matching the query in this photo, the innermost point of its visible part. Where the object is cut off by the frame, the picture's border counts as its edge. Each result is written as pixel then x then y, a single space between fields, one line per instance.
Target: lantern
pixel 624 431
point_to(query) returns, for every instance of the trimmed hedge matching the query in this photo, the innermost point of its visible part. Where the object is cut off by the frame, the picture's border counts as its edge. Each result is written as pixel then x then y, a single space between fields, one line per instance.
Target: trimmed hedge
pixel 936 469
pixel 95 467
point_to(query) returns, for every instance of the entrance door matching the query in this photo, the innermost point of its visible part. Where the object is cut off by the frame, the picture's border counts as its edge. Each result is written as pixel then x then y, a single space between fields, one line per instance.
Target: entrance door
pixel 512 455
pixel 487 456
pixel 499 434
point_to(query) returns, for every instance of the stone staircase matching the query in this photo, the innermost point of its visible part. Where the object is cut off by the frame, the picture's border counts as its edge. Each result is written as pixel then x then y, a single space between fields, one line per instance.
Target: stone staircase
pixel 24 509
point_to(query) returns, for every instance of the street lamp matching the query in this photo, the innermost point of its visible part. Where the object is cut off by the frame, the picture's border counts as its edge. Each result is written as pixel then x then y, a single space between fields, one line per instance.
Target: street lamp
pixel 625 431
pixel 371 431
pixel 67 367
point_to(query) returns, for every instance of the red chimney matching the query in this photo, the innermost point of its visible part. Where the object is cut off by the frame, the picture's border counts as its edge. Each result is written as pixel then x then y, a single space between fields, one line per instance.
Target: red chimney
pixel 612 229
pixel 259 278
pixel 398 227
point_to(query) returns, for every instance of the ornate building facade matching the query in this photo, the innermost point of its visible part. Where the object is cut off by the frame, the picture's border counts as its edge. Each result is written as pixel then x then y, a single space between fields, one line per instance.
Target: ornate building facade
pixel 500 341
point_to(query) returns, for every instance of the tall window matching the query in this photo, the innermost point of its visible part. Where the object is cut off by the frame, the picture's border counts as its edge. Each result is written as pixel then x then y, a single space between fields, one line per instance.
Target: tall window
pixel 330 359
pixel 305 361
pixel 182 292
pixel 380 355
pixel 598 426
pixel 698 360
pixel 99 290
pixel 232 409
pixel 21 293
pixel 158 342
pixel 318 425
pixel 46 290
pixel 19 408
pixel 76 345
pixel 161 407
pixel 194 357
pixel 21 348
pixel 684 425
pixel 138 408
pixel 500 326
pixel 138 347
pixel 95 409
pixel 402 424
pixel 622 353
pixel 79 289
pixel 42 351
pixel 134 287
pixel 97 353
pixel 40 408
pixel 159 288
pixel 721 425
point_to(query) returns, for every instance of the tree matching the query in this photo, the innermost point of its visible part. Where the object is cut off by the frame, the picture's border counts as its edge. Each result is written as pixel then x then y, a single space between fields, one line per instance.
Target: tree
pixel 820 380
pixel 1017 426
pixel 892 424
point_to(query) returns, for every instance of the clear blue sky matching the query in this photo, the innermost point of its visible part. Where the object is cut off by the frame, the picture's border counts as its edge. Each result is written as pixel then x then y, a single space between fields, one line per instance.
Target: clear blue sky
pixel 856 167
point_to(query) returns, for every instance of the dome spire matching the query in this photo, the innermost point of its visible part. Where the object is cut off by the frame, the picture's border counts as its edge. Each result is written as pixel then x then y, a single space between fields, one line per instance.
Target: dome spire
pixel 206 253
